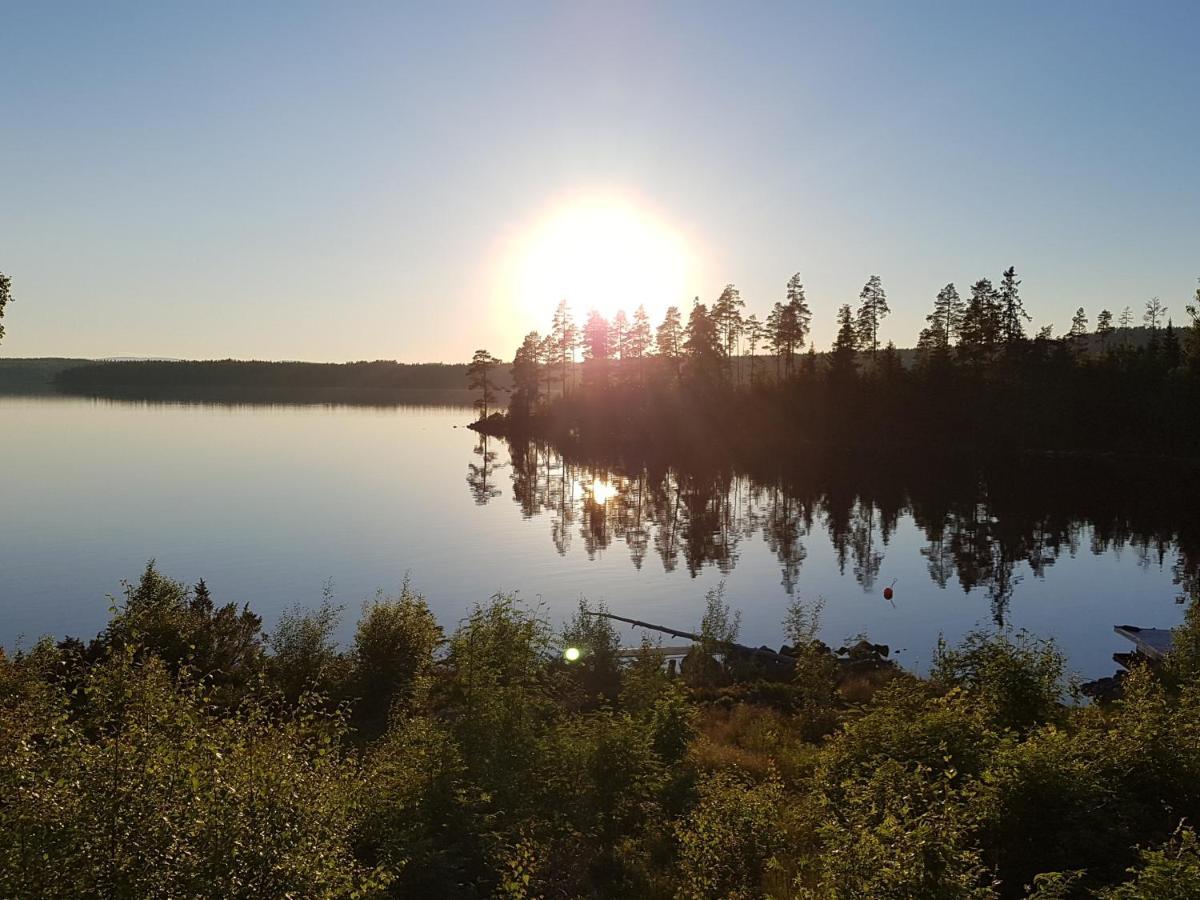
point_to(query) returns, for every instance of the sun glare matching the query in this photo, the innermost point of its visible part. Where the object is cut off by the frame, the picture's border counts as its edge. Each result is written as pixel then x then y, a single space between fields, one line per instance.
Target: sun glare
pixel 600 254
pixel 602 491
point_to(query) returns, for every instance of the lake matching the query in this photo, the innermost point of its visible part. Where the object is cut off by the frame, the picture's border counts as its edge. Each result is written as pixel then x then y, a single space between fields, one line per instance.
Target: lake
pixel 270 503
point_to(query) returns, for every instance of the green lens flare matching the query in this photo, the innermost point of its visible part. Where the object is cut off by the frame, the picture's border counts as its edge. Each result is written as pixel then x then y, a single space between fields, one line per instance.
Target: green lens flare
pixel 571 654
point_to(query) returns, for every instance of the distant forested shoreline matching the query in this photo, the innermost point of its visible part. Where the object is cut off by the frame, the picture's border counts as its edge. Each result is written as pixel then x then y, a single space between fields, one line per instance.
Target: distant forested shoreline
pixel 380 381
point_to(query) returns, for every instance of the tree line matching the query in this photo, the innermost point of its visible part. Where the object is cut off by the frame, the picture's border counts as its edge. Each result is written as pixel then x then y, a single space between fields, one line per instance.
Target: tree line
pixel 186 752
pixel 974 370
pixel 378 380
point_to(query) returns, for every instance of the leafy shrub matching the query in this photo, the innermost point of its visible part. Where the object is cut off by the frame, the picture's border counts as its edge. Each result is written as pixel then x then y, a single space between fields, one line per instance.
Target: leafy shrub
pixel 732 838
pixel 393 656
pixel 1020 678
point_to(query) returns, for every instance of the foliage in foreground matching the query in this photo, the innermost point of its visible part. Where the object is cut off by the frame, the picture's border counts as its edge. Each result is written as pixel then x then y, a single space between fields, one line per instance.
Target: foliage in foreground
pixel 183 753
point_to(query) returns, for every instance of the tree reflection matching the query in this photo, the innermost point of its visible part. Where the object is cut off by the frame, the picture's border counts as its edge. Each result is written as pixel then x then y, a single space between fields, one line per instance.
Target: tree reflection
pixel 481 476
pixel 980 522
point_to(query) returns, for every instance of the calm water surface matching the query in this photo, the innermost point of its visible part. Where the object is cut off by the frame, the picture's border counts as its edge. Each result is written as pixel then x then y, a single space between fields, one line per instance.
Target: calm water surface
pixel 267 504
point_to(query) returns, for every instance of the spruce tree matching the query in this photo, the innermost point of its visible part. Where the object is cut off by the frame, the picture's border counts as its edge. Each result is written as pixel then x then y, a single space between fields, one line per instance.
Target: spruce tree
pixel 842 361
pixel 1104 328
pixel 1011 310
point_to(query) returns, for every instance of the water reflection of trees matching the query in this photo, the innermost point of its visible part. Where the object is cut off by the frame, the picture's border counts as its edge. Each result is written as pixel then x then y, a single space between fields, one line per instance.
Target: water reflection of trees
pixel 979 522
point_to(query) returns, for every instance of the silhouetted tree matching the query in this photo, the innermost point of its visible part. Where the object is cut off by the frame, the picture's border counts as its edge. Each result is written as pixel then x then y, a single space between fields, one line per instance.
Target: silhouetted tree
pixel 1155 311
pixel 1193 333
pixel 640 338
pixel 595 337
pixel 1077 335
pixel 754 336
pixel 727 319
pixel 669 338
pixel 800 315
pixel 618 336
pixel 871 311
pixel 980 327
pixel 778 335
pixel 1172 354
pixel 1011 310
pixel 480 378
pixel 6 298
pixel 565 338
pixel 526 373
pixel 842 361
pixel 703 342
pixel 944 323
pixel 547 357
pixel 1104 328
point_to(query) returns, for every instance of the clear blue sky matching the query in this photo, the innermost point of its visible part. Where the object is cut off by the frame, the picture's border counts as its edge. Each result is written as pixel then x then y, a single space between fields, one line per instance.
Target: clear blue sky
pixel 341 180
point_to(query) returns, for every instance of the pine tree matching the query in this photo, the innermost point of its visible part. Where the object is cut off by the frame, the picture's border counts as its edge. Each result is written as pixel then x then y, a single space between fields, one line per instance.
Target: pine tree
pixel 1155 311
pixel 640 337
pixel 479 378
pixel 547 355
pixel 979 330
pixel 727 318
pixel 564 333
pixel 669 337
pixel 936 340
pixel 754 336
pixel 799 318
pixel 618 336
pixel 640 340
pixel 777 335
pixel 871 311
pixel 1077 335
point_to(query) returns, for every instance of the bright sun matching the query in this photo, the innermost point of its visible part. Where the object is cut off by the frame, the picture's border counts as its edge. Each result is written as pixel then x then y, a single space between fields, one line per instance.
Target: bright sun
pixel 603 254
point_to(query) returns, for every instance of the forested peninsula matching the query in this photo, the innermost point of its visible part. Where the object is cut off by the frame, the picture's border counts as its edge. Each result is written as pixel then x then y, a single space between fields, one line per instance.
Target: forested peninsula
pixel 975 380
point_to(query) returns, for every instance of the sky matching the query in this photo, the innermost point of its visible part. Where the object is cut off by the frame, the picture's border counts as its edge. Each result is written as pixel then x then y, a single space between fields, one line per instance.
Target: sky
pixel 339 181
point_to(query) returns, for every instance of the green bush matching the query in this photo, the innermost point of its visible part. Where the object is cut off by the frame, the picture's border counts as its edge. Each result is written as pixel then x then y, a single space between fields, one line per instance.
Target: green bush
pixel 733 839
pixel 152 792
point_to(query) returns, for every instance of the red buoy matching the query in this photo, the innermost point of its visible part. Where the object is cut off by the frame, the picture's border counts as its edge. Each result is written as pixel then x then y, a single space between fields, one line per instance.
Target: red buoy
pixel 887 593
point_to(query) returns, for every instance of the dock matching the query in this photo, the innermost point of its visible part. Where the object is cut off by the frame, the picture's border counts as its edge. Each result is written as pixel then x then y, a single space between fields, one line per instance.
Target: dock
pixel 1153 643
